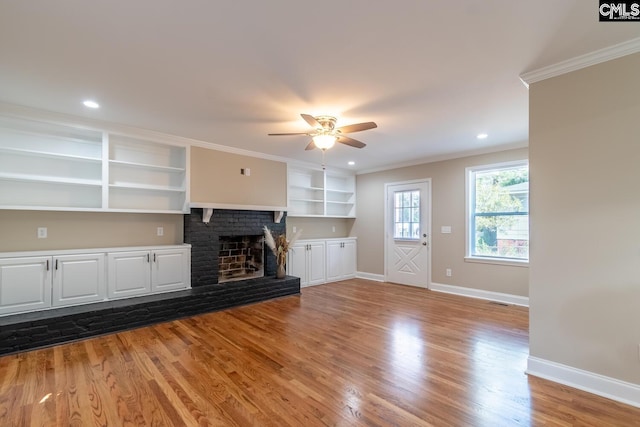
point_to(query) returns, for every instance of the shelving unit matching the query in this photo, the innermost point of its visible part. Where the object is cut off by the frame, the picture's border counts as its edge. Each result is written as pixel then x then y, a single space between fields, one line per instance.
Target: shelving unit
pixel 306 192
pixel 59 167
pixel 47 165
pixel 317 193
pixel 146 175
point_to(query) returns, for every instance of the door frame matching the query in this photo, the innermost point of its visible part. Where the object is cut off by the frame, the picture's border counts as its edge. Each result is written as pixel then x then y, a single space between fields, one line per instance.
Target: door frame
pixel 387 225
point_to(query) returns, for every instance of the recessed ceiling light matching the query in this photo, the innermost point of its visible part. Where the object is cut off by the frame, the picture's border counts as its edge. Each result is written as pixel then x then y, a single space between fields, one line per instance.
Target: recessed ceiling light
pixel 91 104
pixel 482 136
pixel 351 163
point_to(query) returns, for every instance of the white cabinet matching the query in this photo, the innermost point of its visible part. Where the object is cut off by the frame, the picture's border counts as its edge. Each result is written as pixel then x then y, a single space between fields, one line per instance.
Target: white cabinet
pixel 318 193
pixel 48 166
pixel 78 279
pixel 129 273
pixel 341 259
pixel 141 272
pixel 25 284
pixel 307 261
pixel 170 270
pixel 34 283
pixel 31 281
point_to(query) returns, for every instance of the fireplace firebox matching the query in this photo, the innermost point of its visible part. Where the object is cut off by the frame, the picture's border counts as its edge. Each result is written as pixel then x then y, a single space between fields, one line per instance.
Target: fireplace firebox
pixel 240 258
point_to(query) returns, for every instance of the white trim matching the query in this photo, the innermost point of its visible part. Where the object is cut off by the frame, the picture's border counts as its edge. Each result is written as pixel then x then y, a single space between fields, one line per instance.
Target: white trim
pixel 481 294
pixel 513 262
pixel 602 55
pixel 237 207
pixel 590 382
pixel 370 276
pixel 469 203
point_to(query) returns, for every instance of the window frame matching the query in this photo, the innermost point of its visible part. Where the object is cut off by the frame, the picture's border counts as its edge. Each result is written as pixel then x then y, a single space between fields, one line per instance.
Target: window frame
pixel 470 207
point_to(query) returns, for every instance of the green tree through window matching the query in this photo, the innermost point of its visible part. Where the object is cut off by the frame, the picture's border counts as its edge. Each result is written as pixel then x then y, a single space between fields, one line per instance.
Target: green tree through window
pixel 499 217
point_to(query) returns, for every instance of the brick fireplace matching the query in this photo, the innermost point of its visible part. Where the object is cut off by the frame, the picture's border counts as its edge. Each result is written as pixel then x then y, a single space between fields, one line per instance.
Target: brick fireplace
pixel 206 240
pixel 44 328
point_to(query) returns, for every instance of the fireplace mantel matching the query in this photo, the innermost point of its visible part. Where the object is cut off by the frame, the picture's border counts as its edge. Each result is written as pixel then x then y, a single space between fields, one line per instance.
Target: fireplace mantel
pixel 278 211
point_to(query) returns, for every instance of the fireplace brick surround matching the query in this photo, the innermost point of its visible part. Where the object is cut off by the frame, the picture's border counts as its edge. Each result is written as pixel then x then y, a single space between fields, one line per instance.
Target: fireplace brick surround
pixel 27 331
pixel 205 239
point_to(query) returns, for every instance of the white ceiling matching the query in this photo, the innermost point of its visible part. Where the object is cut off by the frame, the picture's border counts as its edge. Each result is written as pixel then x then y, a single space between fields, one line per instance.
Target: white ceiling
pixel 431 74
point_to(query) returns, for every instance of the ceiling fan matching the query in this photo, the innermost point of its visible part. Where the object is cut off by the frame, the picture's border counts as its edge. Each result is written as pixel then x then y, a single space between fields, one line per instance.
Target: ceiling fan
pixel 325 134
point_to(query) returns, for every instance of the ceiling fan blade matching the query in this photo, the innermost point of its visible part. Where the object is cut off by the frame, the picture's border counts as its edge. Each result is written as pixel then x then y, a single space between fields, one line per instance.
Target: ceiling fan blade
pixel 357 127
pixel 294 133
pixel 350 141
pixel 311 120
pixel 311 146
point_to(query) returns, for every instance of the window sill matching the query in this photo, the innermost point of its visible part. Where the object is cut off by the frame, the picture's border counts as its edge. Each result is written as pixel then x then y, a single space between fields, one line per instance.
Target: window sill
pixel 498 261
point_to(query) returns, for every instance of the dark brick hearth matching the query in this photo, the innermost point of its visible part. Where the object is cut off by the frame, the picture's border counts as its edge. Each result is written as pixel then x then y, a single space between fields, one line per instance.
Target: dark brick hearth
pixel 44 328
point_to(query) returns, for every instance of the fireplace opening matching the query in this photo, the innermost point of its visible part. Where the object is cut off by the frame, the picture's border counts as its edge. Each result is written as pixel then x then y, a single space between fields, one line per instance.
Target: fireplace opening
pixel 240 258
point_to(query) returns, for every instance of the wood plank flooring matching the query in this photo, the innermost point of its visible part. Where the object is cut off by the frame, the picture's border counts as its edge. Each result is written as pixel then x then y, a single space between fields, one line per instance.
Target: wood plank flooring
pixel 354 353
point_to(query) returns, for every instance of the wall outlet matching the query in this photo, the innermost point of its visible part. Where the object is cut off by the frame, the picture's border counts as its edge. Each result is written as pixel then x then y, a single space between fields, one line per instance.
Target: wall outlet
pixel 294 229
pixel 333 228
pixel 160 231
pixel 448 272
pixel 42 232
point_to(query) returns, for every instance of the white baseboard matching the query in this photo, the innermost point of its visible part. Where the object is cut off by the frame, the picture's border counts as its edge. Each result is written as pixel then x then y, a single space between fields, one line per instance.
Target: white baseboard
pixel 600 385
pixel 481 294
pixel 370 276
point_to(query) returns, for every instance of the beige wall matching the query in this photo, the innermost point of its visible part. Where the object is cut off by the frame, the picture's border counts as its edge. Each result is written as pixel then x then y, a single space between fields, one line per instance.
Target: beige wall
pixel 216 178
pixel 78 230
pixel 320 228
pixel 448 208
pixel 585 219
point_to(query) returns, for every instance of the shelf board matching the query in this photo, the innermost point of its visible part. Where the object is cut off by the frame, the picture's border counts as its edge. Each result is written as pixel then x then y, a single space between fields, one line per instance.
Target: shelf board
pixel 50 179
pixel 146 166
pixel 147 187
pixel 335 190
pixel 307 200
pixel 50 154
pixel 335 202
pixel 157 211
pixel 305 187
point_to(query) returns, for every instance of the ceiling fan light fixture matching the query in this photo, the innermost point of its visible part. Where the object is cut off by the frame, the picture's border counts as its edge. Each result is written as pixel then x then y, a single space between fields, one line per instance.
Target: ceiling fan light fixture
pixel 324 141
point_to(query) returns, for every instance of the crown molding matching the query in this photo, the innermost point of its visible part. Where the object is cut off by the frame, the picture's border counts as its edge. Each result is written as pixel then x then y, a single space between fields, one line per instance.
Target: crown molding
pixel 602 55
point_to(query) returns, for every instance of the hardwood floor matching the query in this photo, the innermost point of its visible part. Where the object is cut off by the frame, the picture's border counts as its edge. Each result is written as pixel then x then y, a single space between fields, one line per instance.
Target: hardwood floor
pixel 348 353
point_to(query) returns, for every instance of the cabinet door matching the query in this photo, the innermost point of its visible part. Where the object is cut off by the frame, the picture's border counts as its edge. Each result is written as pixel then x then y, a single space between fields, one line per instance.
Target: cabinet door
pixel 129 273
pixel 349 259
pixel 25 284
pixel 296 263
pixel 334 261
pixel 168 270
pixel 316 263
pixel 78 279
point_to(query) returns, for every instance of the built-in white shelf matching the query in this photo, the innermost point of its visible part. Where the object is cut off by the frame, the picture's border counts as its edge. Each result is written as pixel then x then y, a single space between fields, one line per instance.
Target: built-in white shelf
pixel 46 165
pixel 319 193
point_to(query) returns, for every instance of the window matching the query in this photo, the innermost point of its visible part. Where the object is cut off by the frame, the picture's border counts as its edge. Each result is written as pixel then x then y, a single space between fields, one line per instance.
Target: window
pixel 498 211
pixel 406 215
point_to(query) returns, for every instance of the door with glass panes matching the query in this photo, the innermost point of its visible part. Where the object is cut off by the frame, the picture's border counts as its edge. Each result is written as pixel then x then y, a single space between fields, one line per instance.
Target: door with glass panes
pixel 407 237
